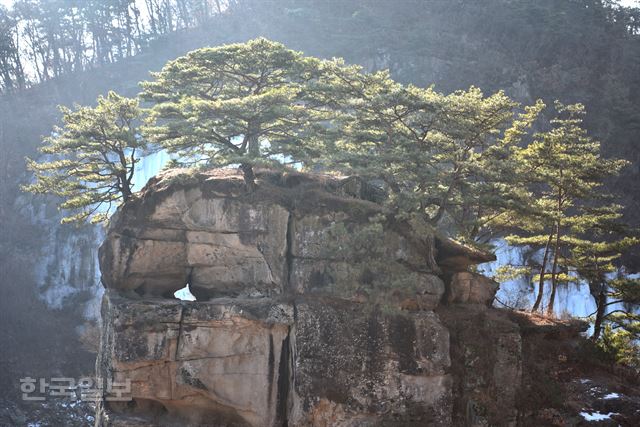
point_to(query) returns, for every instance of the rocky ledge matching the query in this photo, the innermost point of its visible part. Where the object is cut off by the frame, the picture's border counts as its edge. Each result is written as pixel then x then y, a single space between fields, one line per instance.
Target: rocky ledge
pixel 313 309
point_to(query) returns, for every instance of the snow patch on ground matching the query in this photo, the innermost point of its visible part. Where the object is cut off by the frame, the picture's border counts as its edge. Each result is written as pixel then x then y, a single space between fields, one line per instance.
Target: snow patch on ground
pixel 596 416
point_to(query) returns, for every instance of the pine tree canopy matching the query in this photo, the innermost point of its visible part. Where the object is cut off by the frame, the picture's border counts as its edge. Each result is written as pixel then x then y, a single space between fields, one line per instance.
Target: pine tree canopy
pixel 89 162
pixel 466 162
pixel 440 157
pixel 241 104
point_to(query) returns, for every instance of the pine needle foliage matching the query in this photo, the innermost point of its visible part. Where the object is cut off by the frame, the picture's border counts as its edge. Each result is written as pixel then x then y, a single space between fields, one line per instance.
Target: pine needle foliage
pixel 243 103
pixel 89 162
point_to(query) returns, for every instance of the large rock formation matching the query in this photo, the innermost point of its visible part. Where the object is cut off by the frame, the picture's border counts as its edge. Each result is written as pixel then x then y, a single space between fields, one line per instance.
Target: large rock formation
pixel 313 308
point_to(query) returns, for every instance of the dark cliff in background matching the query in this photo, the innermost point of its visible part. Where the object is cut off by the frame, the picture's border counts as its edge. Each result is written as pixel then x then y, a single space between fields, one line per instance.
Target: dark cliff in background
pixel 576 51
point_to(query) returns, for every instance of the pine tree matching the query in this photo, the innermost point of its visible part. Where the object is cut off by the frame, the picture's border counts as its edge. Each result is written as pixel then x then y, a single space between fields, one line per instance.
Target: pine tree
pixel 90 161
pixel 598 240
pixel 437 155
pixel 565 173
pixel 240 104
pixel 595 262
pixel 616 323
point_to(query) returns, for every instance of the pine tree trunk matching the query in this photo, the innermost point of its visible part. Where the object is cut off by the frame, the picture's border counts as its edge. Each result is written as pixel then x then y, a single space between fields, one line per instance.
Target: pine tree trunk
pixel 249 176
pixel 125 186
pixel 554 280
pixel 601 302
pixel 252 152
pixel 545 258
pixel 254 144
pixel 430 241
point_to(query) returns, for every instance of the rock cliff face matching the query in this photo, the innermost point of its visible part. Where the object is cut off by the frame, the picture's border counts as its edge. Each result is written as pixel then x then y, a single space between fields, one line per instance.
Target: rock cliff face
pixel 312 309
